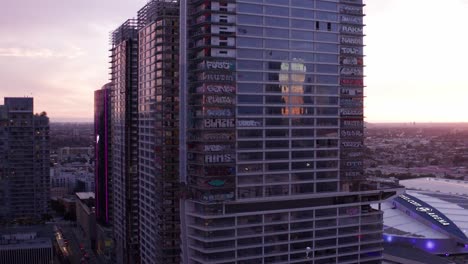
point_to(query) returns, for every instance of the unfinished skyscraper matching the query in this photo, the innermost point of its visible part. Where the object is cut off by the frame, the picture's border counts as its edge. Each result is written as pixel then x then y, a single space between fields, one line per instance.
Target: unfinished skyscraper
pixel 124 141
pixel 159 132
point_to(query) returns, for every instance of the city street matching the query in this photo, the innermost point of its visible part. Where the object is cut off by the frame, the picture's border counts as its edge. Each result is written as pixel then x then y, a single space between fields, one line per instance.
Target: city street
pixel 70 233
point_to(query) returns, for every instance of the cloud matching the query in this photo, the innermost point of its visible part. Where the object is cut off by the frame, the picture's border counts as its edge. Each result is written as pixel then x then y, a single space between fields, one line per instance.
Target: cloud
pixel 45 53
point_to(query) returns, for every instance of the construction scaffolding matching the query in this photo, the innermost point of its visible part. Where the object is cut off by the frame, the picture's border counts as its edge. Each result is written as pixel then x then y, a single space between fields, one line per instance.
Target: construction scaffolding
pixel 156 9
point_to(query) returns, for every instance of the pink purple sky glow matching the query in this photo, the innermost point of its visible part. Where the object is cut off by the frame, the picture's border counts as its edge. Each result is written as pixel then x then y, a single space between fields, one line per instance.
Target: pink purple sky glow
pixel 416 54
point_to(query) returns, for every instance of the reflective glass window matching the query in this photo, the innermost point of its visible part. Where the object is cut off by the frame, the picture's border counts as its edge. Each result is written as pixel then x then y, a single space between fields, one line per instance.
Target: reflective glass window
pixel 326 47
pixel 276 54
pixel 305 24
pixel 249 110
pixel 277 133
pixel 250 144
pixel 276 43
pixel 321 15
pixel 326 6
pixel 249 19
pixel 276 22
pixel 324 36
pixel 255 65
pixel 327 79
pixel 250 76
pixel 303 143
pixel 273 178
pixel 276 11
pixel 250 156
pixel 277 122
pixel 274 144
pixel 327 58
pixel 249 31
pixel 304 13
pixel 250 87
pixel 278 166
pixel 249 54
pixel 326 68
pixel 250 133
pixel 303 3
pixel 277 2
pixel 249 8
pixel 327 187
pixel 250 42
pixel 301 34
pixel 276 155
pixel 276 32
pixel 249 99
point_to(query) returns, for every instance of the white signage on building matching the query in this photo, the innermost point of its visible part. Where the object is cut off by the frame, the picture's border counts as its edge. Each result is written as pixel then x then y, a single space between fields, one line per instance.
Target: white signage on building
pixel 214 148
pixel 351 29
pixel 352 174
pixel 216 99
pixel 351 61
pixel 348 144
pixel 218 158
pixel 351 112
pixel 351 19
pixel 351 40
pixel 218 137
pixel 351 10
pixel 220 89
pixel 248 123
pixel 351 50
pixel 222 65
pixel 219 123
pixel 218 77
pixel 351 133
pixel 352 123
pixel 351 71
pixel 424 209
pixel 219 112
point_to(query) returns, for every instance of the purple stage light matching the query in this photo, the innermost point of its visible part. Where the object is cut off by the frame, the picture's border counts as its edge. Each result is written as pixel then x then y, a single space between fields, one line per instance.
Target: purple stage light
pixel 430 245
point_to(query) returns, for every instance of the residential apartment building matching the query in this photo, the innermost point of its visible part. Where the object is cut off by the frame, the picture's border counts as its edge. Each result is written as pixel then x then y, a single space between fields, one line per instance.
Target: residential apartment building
pixel 24 162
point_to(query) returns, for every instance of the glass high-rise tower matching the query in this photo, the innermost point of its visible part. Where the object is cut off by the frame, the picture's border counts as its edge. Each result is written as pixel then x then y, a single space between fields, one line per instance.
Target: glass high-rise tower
pixel 250 134
pixel 275 134
pixel 102 171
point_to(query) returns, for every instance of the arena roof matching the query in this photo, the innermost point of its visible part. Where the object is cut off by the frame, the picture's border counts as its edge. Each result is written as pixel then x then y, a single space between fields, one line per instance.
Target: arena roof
pixel 445 215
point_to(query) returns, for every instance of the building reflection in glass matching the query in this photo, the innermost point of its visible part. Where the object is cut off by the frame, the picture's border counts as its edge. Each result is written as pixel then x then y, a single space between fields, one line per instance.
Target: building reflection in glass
pixel 293 94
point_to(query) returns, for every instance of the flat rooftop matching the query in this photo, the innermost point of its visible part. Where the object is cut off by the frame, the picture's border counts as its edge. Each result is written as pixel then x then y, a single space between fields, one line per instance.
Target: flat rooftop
pixel 21 237
pixel 447 186
pixel 85 195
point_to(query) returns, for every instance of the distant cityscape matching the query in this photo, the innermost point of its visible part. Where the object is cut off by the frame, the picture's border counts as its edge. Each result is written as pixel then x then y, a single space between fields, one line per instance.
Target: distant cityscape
pixel 434 150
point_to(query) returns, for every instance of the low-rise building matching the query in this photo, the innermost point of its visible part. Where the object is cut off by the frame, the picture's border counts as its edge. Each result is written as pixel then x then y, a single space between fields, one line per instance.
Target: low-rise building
pixel 85 215
pixel 31 245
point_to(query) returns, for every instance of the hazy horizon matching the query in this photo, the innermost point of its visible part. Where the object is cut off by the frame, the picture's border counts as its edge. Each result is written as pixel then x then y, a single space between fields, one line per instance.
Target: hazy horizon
pixel 57 52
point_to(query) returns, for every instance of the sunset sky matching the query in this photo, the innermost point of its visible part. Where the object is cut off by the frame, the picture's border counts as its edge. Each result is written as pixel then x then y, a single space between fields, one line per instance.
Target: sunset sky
pixel 417 54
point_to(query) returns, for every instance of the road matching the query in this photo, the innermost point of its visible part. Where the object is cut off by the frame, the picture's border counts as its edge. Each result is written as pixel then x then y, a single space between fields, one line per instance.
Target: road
pixel 74 240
